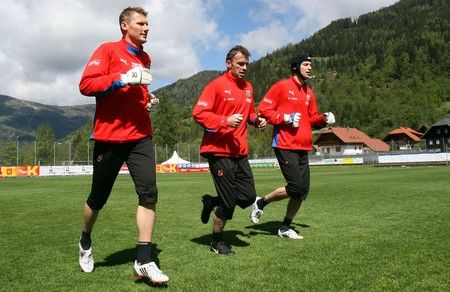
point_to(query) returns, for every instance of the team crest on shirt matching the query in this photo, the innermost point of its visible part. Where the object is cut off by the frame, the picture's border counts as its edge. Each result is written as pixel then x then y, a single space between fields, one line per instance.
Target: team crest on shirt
pixel 220 172
pixel 308 98
pixel 247 93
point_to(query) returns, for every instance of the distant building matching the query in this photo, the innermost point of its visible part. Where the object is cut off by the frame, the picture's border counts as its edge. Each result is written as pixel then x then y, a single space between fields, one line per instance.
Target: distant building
pixel 438 136
pixel 347 141
pixel 403 138
pixel 422 128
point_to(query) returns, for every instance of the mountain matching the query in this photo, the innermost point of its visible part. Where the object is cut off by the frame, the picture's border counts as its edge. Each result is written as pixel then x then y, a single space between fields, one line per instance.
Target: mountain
pixel 184 91
pixel 20 118
pixel 381 70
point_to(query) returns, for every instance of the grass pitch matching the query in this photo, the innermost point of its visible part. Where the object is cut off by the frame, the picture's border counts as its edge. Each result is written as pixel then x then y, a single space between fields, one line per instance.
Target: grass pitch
pixel 365 229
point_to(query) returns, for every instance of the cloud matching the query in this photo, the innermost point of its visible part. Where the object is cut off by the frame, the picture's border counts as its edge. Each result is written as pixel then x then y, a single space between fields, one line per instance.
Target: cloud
pixel 45 44
pixel 290 21
pixel 265 39
pixel 179 32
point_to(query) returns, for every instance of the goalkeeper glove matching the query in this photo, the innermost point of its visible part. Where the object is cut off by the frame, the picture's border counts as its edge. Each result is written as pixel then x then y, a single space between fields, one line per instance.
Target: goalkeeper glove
pixel 137 76
pixel 152 102
pixel 292 119
pixel 329 117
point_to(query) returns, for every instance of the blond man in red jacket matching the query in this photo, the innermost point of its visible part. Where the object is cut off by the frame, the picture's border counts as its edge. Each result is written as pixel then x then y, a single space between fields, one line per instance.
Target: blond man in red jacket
pixel 118 75
pixel 290 106
pixel 223 109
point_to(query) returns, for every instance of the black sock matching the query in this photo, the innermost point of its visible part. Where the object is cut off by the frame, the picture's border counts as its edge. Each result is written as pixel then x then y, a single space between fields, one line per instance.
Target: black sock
pixel 261 203
pixel 85 240
pixel 286 223
pixel 217 236
pixel 144 252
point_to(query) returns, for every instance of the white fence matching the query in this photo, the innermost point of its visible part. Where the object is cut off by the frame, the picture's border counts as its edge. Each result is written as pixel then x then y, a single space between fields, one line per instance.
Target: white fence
pixel 419 158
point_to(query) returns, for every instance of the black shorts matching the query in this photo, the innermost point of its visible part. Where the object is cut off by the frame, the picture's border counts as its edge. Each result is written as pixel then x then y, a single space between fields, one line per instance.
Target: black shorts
pixel 233 179
pixel 108 158
pixel 294 166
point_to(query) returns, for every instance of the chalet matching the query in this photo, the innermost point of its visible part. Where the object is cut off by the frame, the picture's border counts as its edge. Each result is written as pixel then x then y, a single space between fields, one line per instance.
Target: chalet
pixel 347 141
pixel 422 128
pixel 438 136
pixel 403 138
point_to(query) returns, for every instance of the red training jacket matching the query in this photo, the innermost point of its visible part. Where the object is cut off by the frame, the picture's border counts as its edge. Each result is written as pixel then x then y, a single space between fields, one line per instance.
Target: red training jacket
pixel 121 111
pixel 285 97
pixel 222 97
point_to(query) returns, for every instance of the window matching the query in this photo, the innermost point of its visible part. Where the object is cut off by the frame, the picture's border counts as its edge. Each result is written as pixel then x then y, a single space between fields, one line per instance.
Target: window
pixel 438 131
pixel 338 149
pixel 438 142
pixel 430 142
pixel 445 130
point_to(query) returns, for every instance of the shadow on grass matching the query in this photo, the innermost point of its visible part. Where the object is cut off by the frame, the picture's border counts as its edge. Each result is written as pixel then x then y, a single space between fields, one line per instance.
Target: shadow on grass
pixel 229 236
pixel 271 228
pixel 147 282
pixel 126 256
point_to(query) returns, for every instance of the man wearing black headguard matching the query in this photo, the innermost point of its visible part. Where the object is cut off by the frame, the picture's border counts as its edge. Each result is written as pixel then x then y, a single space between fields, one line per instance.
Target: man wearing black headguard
pixel 290 106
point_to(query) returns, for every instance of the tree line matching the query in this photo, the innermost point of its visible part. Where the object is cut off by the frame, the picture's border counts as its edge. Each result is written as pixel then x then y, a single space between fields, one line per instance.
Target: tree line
pixel 382 70
pixel 379 71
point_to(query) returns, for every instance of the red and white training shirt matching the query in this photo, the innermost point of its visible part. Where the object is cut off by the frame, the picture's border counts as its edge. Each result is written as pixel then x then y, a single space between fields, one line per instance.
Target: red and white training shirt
pixel 285 97
pixel 222 97
pixel 121 111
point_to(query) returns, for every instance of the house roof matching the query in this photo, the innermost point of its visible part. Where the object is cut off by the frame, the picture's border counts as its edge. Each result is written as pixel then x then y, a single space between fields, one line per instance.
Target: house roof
pixel 443 122
pixel 423 128
pixel 354 136
pixel 412 134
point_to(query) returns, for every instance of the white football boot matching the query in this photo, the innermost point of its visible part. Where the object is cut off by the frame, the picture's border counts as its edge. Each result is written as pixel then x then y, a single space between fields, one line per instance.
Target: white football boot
pixel 289 233
pixel 86 259
pixel 151 272
pixel 256 212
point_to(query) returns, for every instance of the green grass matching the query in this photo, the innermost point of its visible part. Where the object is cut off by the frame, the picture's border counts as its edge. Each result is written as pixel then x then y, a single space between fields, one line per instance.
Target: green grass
pixel 365 229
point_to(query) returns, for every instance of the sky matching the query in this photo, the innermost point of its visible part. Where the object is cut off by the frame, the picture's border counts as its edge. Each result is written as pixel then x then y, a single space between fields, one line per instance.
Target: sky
pixel 45 44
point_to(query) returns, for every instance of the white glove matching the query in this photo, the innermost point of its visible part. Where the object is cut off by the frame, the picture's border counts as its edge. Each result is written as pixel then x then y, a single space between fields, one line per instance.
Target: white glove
pixel 153 101
pixel 292 119
pixel 137 76
pixel 329 117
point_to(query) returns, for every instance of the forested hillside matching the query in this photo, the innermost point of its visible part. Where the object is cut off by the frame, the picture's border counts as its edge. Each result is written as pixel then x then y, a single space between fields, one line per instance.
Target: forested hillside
pixel 384 69
pixel 19 119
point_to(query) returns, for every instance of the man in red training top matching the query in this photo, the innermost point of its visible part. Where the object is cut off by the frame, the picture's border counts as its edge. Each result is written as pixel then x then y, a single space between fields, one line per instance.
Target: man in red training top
pixel 223 109
pixel 290 106
pixel 118 75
